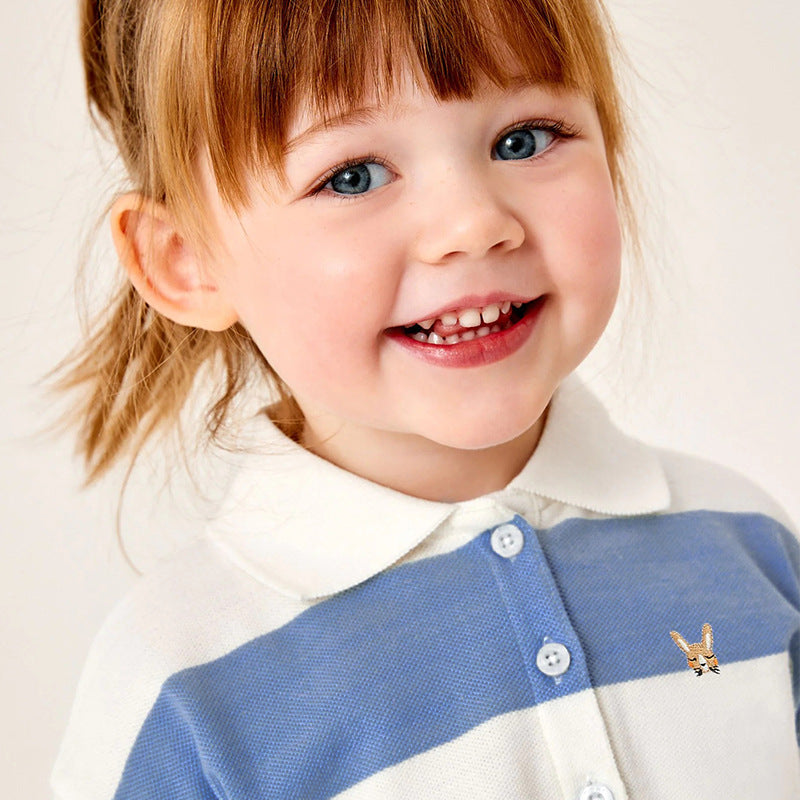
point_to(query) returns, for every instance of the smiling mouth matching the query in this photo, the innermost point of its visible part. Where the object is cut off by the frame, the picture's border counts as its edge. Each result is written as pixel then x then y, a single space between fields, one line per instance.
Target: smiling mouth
pixel 445 331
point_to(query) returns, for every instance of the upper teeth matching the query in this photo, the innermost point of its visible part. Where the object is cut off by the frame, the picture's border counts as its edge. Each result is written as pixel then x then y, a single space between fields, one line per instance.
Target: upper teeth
pixel 472 317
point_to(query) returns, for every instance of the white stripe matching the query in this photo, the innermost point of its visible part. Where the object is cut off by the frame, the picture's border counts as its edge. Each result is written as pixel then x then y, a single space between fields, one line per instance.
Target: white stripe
pixel 190 611
pixel 551 751
pixel 505 757
pixel 730 735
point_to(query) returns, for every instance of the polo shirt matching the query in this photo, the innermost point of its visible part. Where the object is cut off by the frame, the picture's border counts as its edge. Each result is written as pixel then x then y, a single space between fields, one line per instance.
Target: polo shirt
pixel 326 636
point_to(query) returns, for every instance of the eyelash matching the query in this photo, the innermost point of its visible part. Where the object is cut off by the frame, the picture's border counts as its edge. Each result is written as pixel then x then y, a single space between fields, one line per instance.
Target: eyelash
pixel 559 128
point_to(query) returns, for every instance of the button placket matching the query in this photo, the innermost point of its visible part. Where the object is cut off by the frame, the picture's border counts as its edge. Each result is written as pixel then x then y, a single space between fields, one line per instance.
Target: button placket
pixel 553 657
pixel 555 665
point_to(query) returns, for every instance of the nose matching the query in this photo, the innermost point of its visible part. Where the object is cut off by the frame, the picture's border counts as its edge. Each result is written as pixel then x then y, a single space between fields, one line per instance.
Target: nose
pixel 465 219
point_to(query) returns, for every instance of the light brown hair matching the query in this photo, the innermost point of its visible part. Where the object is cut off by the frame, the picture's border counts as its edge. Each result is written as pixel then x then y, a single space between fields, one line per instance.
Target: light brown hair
pixel 167 77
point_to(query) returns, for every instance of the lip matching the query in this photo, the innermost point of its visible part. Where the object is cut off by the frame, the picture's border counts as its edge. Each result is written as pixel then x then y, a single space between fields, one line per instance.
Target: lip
pixel 471 301
pixel 476 352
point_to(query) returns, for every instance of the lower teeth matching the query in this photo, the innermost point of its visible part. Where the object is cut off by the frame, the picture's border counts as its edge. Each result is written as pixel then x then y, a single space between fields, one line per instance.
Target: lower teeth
pixel 434 338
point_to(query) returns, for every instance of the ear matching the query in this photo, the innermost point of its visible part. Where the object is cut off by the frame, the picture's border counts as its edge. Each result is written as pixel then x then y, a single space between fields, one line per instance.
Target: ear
pixel 680 641
pixel 708 636
pixel 163 268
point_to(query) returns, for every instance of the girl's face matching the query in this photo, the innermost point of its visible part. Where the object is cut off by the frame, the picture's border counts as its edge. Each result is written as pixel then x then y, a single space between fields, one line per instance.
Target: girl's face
pixel 402 213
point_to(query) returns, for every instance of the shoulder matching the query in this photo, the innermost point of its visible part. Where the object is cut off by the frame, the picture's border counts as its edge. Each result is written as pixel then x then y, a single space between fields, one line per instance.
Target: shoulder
pixel 176 613
pixel 697 483
pixel 192 608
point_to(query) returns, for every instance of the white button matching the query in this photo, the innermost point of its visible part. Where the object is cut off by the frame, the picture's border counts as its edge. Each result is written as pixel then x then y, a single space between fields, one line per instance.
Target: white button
pixel 553 659
pixel 596 791
pixel 507 540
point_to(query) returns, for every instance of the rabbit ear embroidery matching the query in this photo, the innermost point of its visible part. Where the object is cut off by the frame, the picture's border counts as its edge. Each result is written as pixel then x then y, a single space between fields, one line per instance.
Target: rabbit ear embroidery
pixel 699 656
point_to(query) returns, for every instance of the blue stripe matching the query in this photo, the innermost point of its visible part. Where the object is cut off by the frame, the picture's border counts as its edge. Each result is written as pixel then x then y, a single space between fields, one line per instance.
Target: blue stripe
pixel 627 583
pixel 423 653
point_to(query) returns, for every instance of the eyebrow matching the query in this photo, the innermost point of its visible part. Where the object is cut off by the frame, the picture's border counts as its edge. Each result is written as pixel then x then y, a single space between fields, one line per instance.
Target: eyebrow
pixel 366 114
pixel 347 119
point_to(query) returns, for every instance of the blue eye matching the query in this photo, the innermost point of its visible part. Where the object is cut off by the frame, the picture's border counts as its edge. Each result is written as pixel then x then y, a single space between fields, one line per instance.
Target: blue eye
pixel 370 171
pixel 358 178
pixel 523 143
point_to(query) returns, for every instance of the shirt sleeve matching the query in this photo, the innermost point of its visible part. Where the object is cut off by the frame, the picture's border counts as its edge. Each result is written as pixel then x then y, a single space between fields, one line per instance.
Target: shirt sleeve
pixel 128 736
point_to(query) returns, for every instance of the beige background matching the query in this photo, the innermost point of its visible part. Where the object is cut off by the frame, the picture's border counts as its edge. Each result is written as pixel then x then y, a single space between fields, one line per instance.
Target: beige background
pixel 717 104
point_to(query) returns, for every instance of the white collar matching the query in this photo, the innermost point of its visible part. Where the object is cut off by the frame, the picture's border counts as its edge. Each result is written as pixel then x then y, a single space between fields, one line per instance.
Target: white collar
pixel 310 529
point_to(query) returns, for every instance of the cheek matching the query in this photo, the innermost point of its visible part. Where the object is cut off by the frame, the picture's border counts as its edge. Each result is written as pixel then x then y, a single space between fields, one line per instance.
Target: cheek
pixel 586 252
pixel 309 292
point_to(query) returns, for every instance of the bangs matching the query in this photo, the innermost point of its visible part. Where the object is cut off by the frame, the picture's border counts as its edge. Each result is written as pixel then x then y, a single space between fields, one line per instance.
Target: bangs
pixel 264 57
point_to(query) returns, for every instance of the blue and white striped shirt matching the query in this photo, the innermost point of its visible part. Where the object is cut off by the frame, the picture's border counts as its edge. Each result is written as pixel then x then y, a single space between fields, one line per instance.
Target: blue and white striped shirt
pixel 329 637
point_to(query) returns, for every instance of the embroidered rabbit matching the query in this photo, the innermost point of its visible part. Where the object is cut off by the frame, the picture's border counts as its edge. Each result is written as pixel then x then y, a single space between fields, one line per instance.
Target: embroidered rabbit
pixel 700 655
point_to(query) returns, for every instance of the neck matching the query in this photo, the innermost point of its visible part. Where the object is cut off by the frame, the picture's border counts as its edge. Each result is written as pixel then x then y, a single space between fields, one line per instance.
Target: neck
pixel 420 467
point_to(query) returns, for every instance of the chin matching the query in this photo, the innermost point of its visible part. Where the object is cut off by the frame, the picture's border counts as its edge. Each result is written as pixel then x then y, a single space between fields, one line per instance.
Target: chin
pixel 485 433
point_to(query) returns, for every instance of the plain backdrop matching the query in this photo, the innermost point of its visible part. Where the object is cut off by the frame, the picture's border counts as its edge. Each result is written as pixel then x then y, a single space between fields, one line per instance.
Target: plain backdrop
pixel 716 101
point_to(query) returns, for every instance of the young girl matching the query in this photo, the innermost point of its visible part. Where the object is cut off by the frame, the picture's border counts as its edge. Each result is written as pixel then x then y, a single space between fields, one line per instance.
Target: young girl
pixel 439 570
